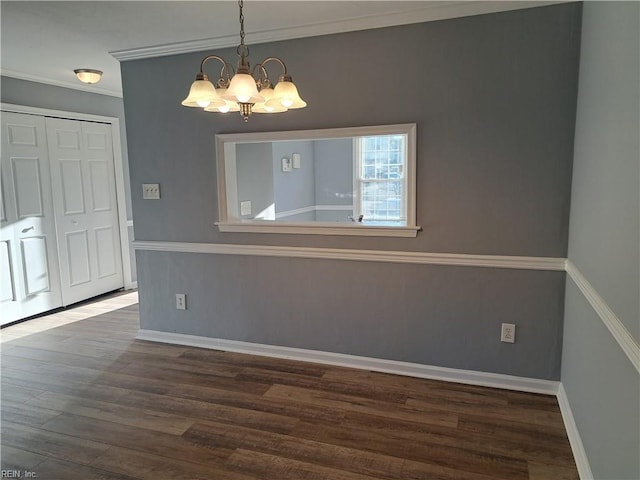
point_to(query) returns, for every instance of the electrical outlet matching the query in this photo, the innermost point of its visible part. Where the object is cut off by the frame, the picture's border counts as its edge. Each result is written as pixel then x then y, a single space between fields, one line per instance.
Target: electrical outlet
pixel 181 301
pixel 508 333
pixel 151 191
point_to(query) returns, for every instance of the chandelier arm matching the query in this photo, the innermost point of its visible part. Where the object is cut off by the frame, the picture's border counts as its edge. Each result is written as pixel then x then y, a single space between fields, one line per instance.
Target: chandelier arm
pixel 274 59
pixel 225 72
pixel 262 80
pixel 209 57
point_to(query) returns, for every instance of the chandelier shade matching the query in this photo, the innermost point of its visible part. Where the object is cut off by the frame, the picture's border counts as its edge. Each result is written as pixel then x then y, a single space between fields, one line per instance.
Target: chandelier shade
pixel 244 90
pixel 266 107
pixel 286 95
pixel 228 106
pixel 202 94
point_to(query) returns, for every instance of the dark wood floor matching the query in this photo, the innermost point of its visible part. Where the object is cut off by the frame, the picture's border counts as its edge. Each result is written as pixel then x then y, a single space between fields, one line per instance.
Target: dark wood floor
pixel 84 400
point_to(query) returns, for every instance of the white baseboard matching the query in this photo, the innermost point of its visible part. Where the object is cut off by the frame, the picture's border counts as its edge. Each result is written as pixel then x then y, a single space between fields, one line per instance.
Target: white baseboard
pixel 579 453
pixel 470 377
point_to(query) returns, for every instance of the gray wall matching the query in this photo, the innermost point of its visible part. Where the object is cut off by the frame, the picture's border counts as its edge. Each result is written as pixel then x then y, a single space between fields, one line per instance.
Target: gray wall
pixel 602 385
pixel 294 189
pixel 254 167
pixel 334 171
pixel 334 178
pixel 40 95
pixel 494 100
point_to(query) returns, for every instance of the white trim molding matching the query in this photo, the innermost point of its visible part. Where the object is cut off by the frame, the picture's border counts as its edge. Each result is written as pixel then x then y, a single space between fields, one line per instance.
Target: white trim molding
pixel 579 453
pixel 317 228
pixel 426 12
pixel 226 164
pixel 469 377
pixel 451 259
pixel 626 341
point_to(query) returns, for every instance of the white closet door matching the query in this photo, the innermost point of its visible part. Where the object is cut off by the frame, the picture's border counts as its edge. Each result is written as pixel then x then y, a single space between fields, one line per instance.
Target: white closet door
pixel 29 280
pixel 84 195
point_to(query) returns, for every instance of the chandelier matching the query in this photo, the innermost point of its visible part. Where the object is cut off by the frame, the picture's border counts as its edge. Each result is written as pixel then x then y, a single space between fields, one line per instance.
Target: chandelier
pixel 243 90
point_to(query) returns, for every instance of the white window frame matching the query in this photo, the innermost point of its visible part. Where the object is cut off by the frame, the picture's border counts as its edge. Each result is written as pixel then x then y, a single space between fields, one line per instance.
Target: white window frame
pixel 358 179
pixel 228 222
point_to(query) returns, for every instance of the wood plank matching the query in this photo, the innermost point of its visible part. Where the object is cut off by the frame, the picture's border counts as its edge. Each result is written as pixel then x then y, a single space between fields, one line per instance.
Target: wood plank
pixel 137 439
pixel 551 452
pixel 287 407
pixel 59 469
pixel 514 430
pixel 374 392
pixel 156 467
pixel 539 471
pixel 362 405
pixel 18 459
pixel 335 456
pixel 202 410
pixel 191 378
pixel 460 459
pixel 20 353
pixel 270 466
pixel 19 413
pixel 51 444
pixel 256 361
pixel 540 417
pixel 95 409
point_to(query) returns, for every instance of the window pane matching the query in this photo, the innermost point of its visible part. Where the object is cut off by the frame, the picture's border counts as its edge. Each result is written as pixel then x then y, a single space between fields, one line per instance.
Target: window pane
pixel 382 160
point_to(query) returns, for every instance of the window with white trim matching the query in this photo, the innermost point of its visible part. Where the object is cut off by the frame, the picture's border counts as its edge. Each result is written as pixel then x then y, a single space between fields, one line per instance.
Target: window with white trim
pixel 380 179
pixel 374 178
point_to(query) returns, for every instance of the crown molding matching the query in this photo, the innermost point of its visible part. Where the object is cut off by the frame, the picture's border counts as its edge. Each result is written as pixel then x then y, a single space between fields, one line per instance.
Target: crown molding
pixel 76 85
pixel 430 11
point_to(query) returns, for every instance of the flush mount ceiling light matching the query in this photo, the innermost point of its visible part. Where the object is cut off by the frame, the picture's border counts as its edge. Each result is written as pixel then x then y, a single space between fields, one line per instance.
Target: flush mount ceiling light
pixel 246 91
pixel 88 75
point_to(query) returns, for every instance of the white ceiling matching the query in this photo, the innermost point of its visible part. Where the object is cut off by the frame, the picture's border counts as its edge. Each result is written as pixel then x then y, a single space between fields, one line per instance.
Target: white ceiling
pixel 46 40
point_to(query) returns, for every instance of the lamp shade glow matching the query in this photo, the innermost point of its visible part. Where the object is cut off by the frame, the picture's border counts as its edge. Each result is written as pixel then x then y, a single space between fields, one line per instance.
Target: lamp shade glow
pixel 228 106
pixel 267 93
pixel 88 75
pixel 243 89
pixel 202 94
pixel 286 94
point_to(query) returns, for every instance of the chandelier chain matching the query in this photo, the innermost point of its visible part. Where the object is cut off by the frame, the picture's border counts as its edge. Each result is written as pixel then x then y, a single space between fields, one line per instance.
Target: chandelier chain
pixel 241 4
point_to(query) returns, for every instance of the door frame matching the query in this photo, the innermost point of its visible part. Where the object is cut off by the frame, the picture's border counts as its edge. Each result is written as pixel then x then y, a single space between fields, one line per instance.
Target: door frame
pixel 118 165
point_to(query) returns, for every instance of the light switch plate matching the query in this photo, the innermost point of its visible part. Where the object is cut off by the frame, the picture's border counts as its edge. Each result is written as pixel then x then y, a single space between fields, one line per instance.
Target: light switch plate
pixel 245 208
pixel 286 164
pixel 295 158
pixel 151 191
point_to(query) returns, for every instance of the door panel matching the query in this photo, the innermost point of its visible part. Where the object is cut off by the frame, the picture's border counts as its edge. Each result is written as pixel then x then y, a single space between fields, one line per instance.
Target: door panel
pixel 84 195
pixel 34 265
pixel 100 191
pixel 22 135
pixel 105 249
pixel 72 187
pixel 7 290
pixel 27 186
pixel 28 244
pixel 79 263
